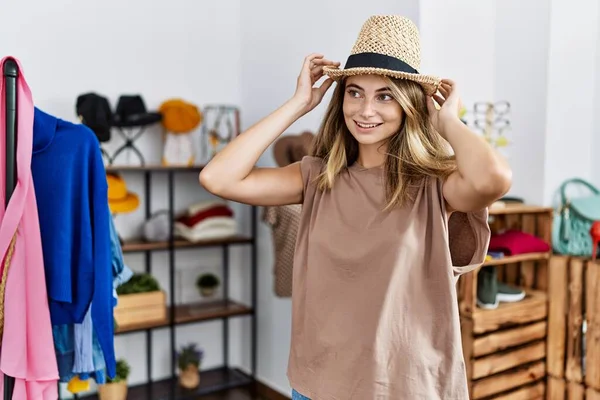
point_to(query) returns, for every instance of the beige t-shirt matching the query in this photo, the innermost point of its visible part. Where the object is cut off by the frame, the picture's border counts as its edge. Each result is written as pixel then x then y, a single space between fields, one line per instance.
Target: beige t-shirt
pixel 374 309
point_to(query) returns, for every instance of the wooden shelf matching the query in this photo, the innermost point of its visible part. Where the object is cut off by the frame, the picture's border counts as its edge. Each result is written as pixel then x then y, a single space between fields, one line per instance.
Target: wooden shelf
pixel 520 209
pixel 215 384
pixel 152 168
pixel 533 307
pixel 140 245
pixel 518 258
pixel 514 380
pixel 196 312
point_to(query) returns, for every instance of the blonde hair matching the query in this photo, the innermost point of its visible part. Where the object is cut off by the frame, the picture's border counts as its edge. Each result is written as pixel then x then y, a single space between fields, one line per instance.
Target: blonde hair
pixel 414 153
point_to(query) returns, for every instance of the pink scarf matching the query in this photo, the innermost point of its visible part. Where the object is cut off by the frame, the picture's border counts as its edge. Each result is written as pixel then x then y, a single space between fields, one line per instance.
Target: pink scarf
pixel 27 349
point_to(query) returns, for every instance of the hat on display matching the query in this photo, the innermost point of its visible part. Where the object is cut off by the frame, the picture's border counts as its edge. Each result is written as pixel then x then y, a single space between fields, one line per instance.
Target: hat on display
pixel 156 228
pixel 119 199
pixel 180 116
pixel 131 111
pixel 94 112
pixel 387 45
pixel 289 149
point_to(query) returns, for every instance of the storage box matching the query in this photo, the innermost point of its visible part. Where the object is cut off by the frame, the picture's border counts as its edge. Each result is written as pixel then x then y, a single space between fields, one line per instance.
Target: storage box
pixel 559 389
pixel 505 348
pixel 574 321
pixel 141 308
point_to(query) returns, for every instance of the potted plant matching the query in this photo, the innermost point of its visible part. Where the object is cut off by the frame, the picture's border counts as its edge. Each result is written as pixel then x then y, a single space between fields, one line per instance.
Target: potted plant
pixel 116 389
pixel 189 359
pixel 207 284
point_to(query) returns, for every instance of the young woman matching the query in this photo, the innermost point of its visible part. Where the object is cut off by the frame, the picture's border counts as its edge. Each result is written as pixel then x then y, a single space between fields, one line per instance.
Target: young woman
pixel 374 304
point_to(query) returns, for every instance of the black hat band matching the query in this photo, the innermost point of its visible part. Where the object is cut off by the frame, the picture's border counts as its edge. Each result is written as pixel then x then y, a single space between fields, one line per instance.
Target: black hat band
pixel 375 60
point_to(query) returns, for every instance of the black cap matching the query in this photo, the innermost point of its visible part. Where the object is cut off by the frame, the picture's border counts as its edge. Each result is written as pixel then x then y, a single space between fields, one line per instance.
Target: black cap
pixel 94 112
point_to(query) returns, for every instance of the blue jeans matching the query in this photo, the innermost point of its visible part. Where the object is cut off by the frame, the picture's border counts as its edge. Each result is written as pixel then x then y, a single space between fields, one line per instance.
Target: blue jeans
pixel 298 396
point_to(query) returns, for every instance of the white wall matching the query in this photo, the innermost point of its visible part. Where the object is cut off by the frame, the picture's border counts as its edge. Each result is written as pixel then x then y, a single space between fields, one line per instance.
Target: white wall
pixel 458 43
pixel 572 77
pixel 596 124
pixel 521 64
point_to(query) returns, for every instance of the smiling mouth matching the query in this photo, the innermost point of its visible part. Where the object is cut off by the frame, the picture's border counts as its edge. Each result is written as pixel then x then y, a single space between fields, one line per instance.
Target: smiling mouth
pixel 366 126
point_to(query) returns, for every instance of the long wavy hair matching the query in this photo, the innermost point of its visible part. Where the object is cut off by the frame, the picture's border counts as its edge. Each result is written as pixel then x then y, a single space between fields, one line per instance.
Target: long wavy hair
pixel 414 153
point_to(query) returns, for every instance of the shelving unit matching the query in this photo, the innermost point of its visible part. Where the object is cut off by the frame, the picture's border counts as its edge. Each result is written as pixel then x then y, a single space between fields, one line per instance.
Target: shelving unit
pixel 505 348
pixel 218 381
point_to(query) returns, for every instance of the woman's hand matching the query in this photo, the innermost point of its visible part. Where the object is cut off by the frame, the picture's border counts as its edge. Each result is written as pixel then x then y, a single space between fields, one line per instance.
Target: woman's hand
pixel 449 106
pixel 312 71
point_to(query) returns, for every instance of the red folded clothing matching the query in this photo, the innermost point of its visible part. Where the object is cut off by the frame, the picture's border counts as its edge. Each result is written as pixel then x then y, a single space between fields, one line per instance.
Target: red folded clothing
pixel 513 242
pixel 216 211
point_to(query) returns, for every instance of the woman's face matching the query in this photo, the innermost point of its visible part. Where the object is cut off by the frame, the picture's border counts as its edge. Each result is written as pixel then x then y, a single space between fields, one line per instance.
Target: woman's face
pixel 371 113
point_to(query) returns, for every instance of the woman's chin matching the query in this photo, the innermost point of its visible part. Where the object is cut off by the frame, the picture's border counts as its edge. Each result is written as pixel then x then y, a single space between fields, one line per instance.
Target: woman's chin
pixel 367 139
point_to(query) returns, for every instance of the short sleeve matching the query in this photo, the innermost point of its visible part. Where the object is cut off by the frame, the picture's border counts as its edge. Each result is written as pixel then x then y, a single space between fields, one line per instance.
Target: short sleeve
pixel 310 167
pixel 469 237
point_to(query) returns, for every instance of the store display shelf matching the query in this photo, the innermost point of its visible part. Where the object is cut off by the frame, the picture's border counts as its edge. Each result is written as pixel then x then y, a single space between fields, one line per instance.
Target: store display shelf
pixel 216 382
pixel 140 245
pixel 153 168
pixel 533 307
pixel 520 209
pixel 189 313
pixel 518 258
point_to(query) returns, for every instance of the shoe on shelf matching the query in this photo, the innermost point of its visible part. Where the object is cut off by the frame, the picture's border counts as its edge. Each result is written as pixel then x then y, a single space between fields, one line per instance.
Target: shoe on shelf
pixel 509 294
pixel 487 288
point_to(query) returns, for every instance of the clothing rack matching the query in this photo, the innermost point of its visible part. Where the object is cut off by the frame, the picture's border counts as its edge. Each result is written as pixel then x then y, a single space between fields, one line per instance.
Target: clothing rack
pixel 10 74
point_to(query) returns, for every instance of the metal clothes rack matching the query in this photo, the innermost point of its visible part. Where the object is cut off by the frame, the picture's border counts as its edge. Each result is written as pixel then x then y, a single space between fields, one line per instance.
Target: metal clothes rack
pixel 10 74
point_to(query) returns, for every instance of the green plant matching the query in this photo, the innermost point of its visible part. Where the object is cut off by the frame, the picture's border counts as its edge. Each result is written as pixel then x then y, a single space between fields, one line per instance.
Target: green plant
pixel 207 281
pixel 189 355
pixel 139 283
pixel 122 374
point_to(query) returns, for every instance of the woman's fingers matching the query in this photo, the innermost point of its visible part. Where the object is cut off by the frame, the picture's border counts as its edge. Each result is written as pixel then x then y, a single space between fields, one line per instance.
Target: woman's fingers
pixel 323 62
pixel 309 60
pixel 439 99
pixel 445 91
pixel 316 70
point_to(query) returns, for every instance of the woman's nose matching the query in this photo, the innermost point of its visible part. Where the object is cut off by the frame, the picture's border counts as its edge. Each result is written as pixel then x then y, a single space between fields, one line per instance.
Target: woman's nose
pixel 367 109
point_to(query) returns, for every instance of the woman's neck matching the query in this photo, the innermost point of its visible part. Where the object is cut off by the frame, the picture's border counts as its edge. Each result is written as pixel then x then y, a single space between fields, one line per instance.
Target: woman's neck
pixel 371 155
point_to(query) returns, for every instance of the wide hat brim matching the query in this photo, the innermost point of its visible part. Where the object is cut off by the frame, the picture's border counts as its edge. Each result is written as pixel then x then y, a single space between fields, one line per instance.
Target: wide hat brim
pixel 127 204
pixel 387 45
pixel 429 83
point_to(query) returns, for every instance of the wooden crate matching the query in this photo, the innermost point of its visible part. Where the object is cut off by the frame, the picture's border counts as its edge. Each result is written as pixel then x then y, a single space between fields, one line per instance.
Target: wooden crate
pixel 505 349
pixel 559 389
pixel 574 304
pixel 140 308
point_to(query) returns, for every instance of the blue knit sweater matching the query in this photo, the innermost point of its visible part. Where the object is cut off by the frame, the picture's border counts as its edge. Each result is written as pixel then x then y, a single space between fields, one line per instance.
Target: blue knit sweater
pixel 71 191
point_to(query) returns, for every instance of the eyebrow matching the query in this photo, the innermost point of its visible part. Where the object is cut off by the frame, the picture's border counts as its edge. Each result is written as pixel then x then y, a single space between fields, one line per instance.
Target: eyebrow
pixel 354 85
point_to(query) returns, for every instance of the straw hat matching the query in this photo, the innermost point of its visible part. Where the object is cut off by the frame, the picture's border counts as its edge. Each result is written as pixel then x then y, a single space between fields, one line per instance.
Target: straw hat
pixel 387 45
pixel 291 148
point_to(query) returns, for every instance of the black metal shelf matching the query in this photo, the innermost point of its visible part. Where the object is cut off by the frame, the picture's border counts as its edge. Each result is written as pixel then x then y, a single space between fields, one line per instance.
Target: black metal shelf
pixel 192 313
pixel 213 381
pixel 140 245
pixel 223 378
pixel 153 168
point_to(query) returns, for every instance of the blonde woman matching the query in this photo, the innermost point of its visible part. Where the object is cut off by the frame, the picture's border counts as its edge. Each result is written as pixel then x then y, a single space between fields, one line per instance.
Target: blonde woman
pixel 374 308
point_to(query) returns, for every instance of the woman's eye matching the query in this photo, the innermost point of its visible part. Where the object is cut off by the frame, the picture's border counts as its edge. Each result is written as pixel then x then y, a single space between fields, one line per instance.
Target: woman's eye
pixel 385 97
pixel 353 93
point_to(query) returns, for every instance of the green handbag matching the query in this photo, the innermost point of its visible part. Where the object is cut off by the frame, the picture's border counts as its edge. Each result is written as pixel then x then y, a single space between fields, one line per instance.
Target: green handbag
pixel 572 223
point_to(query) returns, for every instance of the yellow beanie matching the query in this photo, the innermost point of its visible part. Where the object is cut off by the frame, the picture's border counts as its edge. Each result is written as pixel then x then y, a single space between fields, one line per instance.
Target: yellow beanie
pixel 179 116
